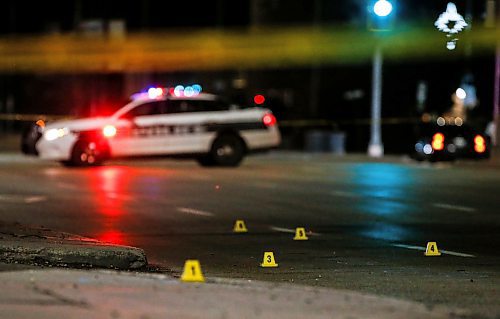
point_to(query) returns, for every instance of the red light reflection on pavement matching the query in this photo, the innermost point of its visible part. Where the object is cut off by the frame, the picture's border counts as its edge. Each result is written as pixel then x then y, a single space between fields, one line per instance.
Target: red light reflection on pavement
pixel 114 195
pixel 109 183
pixel 113 237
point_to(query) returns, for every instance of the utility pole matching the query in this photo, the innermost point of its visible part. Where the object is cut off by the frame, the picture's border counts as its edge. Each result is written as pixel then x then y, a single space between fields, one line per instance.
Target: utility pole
pixel 496 87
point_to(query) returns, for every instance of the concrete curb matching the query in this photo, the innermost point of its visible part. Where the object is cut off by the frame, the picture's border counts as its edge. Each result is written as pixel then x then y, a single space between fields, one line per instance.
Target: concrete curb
pixel 41 246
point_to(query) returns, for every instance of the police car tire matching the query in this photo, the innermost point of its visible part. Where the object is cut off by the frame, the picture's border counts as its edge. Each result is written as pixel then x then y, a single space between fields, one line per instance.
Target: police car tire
pixel 81 148
pixel 227 143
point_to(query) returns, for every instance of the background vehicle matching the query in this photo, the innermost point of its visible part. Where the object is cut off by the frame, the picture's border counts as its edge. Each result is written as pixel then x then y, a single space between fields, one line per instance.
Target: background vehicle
pixel 450 142
pixel 162 122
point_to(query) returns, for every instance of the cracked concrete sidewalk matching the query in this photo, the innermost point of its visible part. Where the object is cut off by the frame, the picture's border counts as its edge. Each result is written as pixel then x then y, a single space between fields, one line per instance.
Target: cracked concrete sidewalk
pixel 60 293
pixel 42 246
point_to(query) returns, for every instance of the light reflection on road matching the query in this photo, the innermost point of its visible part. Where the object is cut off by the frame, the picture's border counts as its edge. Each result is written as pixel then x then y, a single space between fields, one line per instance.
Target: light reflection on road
pixel 108 185
pixel 386 231
pixel 383 180
pixel 117 192
pixel 381 186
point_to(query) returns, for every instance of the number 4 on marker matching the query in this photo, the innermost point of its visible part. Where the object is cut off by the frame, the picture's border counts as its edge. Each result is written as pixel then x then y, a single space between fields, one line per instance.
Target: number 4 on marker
pixel 432 249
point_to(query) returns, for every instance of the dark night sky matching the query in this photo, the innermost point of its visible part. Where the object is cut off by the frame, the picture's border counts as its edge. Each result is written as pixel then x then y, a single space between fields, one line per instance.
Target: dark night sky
pixel 14 18
pixel 19 16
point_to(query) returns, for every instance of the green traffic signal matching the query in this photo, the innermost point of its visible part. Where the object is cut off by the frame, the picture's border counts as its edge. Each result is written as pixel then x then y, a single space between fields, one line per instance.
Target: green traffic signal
pixel 380 15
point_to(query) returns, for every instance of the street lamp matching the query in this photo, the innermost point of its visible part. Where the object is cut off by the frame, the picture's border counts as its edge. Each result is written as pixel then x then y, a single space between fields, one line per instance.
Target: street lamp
pixel 380 19
pixel 382 8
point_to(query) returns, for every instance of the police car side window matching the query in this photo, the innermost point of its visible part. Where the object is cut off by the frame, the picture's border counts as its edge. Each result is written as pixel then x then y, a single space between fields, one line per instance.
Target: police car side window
pixel 149 108
pixel 217 105
pixel 182 106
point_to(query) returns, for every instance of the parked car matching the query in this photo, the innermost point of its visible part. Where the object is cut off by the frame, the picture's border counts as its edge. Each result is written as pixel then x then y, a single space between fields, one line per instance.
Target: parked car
pixel 449 142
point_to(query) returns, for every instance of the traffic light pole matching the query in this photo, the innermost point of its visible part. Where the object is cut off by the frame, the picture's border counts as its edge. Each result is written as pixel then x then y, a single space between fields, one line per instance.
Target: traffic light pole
pixel 375 146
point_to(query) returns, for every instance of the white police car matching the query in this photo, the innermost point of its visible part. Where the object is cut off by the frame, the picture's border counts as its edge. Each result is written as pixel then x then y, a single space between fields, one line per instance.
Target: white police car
pixel 163 122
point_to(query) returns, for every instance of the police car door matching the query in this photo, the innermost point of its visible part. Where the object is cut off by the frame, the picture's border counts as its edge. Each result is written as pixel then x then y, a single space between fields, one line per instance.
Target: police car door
pixel 141 131
pixel 185 125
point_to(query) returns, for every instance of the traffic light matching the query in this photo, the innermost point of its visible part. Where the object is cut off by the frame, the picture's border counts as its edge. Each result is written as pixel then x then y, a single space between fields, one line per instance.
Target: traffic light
pixel 380 15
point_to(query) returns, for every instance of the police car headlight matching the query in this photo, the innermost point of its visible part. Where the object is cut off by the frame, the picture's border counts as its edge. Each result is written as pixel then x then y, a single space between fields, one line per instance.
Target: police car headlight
pixel 55 133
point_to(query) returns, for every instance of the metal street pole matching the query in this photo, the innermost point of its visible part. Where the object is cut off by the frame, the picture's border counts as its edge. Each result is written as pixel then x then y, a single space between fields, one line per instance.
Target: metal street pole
pixel 375 147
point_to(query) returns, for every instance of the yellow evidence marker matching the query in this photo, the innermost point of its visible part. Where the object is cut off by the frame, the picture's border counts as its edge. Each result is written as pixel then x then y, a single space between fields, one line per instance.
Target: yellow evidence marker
pixel 300 234
pixel 239 227
pixel 268 260
pixel 192 271
pixel 432 249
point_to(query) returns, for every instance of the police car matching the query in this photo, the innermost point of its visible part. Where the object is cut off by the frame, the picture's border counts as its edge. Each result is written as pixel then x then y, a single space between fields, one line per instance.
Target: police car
pixel 163 121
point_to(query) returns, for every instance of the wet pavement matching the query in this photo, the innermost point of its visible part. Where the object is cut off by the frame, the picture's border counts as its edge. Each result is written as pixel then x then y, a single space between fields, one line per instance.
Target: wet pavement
pixel 369 219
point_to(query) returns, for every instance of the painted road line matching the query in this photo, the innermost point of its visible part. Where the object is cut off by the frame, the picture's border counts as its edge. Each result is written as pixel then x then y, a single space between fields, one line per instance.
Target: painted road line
pixel 454 207
pixel 34 199
pixel 448 252
pixel 10 198
pixel 196 212
pixel 282 230
pixel 291 231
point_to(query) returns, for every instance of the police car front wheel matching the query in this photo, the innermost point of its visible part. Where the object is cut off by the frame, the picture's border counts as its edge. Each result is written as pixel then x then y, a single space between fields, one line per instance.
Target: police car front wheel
pixel 227 150
pixel 88 153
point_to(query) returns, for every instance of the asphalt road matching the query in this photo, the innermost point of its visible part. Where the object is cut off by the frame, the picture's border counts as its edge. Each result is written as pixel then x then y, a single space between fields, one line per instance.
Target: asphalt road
pixel 368 220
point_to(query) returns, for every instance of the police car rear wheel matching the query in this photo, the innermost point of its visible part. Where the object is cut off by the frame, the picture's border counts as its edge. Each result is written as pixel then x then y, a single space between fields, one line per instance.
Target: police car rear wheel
pixel 227 150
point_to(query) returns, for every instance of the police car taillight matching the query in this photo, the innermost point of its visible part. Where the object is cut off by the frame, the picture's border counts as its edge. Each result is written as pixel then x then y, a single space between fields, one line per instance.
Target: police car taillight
pixel 438 142
pixel 479 144
pixel 269 120
pixel 109 131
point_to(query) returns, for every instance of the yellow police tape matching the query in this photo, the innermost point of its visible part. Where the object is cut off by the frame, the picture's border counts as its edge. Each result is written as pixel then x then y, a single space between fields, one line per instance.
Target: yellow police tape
pixel 216 49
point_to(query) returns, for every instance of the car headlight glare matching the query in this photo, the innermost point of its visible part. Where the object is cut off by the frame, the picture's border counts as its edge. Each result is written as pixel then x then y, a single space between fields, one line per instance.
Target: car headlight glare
pixel 55 133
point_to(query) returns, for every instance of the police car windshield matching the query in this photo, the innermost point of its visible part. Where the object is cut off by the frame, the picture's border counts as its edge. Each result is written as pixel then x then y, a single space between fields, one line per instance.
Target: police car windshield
pixel 148 108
